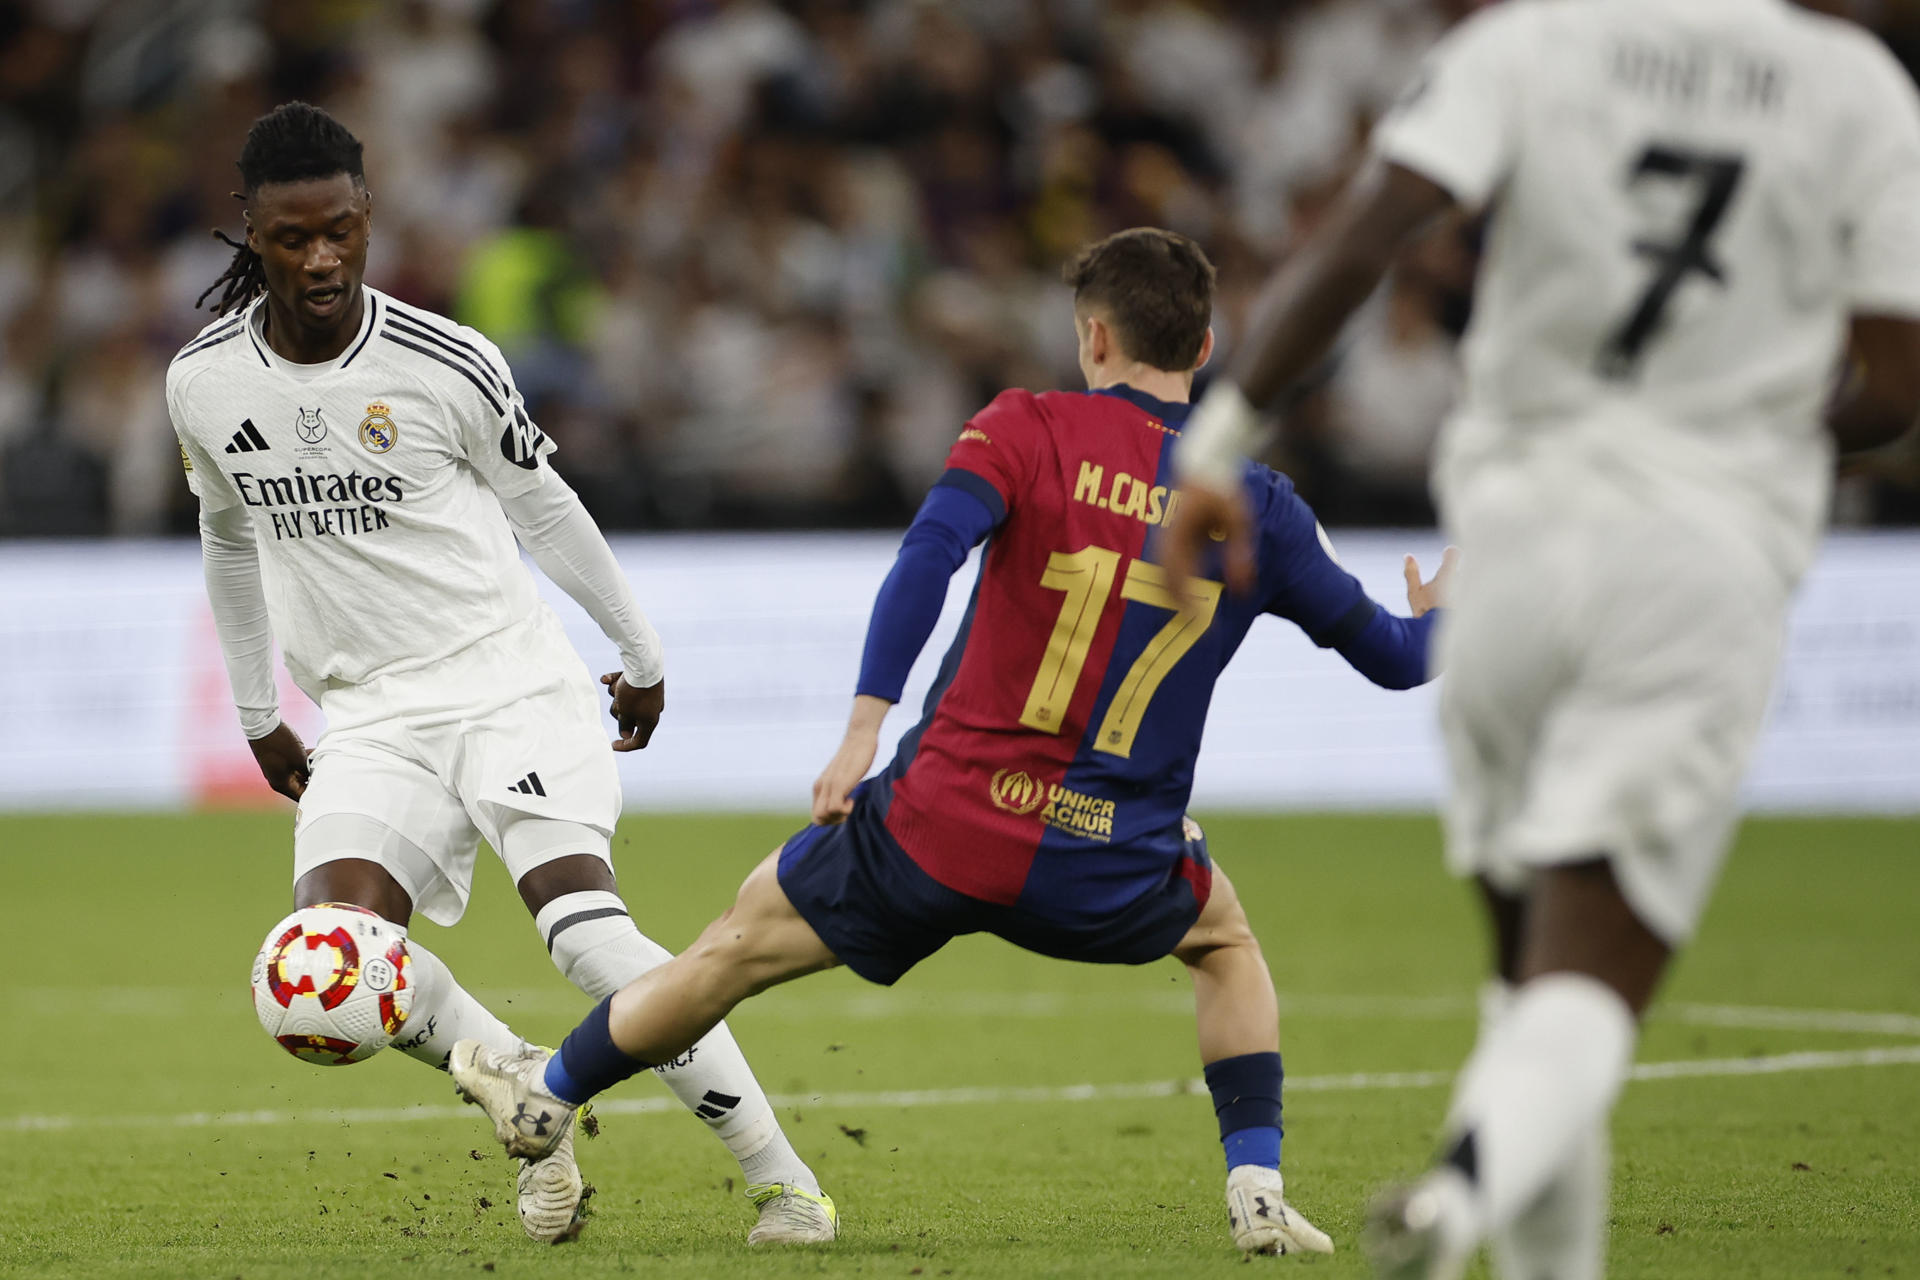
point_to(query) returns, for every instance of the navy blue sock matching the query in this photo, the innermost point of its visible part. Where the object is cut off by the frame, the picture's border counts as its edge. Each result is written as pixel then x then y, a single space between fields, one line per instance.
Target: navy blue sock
pixel 1246 1098
pixel 589 1062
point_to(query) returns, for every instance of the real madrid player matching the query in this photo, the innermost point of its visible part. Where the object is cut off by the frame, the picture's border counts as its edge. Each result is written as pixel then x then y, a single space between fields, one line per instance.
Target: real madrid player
pixel 1042 797
pixel 363 469
pixel 1697 207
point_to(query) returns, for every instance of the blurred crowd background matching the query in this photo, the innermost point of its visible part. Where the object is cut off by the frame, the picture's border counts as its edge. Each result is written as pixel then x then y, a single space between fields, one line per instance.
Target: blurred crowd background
pixel 754 262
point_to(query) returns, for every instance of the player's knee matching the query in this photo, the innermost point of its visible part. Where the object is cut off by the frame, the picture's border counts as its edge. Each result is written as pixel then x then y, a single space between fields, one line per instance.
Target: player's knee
pixel 559 859
pixel 1225 934
pixel 356 882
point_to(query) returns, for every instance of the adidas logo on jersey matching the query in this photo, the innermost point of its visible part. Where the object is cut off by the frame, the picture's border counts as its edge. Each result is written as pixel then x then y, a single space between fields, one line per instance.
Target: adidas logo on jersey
pixel 248 439
pixel 529 786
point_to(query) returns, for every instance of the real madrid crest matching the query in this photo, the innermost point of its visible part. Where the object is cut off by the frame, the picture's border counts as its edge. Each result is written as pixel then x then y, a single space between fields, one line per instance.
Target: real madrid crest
pixel 377 432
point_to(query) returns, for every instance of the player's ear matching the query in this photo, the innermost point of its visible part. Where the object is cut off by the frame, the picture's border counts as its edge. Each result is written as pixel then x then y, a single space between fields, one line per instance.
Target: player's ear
pixel 1206 351
pixel 1099 340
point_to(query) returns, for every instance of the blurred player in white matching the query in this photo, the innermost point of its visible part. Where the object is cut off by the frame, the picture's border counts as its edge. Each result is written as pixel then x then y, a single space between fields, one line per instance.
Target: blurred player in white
pixel 363 469
pixel 1696 207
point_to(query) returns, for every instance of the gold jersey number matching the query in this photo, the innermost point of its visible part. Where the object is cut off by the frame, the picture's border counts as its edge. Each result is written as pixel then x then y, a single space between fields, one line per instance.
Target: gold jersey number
pixel 1085 577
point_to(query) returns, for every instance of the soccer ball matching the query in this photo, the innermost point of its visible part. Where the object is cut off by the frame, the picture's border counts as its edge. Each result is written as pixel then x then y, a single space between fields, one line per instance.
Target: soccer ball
pixel 332 984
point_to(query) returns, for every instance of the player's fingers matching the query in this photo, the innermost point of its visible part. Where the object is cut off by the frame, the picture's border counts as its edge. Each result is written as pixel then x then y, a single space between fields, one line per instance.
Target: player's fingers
pixel 1241 574
pixel 831 797
pixel 1410 570
pixel 1176 557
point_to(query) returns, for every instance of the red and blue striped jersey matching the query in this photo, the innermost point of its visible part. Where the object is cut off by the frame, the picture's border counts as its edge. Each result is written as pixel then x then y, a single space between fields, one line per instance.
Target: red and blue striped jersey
pixel 1052 765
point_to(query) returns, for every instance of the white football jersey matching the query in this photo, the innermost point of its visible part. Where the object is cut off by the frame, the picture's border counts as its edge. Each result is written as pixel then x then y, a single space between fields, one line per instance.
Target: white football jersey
pixel 1688 198
pixel 370 480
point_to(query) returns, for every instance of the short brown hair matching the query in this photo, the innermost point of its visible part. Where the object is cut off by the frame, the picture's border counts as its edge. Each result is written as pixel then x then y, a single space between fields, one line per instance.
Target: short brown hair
pixel 1156 288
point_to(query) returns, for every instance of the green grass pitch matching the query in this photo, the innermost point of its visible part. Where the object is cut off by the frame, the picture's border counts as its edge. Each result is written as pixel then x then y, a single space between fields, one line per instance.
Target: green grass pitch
pixel 150 1129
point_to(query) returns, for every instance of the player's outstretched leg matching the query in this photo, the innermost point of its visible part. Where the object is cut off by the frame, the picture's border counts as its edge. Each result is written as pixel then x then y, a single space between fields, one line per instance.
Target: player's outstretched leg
pixel 444 1013
pixel 1536 1094
pixel 598 947
pixel 1239 1025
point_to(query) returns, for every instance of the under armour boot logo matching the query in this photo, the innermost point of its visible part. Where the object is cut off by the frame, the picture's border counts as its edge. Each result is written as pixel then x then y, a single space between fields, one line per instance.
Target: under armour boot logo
pixel 526 1120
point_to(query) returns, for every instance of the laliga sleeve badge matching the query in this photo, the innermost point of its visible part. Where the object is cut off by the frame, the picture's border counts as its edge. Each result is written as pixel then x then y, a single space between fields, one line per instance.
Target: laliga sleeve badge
pixel 377 432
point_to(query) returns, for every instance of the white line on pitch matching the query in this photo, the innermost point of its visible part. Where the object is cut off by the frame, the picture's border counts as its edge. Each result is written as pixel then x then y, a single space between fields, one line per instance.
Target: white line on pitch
pixel 868 1006
pixel 1761 1018
pixel 975 1096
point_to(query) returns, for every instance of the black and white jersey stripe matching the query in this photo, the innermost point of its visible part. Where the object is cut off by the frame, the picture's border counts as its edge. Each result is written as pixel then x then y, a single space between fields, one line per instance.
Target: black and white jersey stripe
pixel 373 327
pixel 223 330
pixel 444 334
pixel 449 349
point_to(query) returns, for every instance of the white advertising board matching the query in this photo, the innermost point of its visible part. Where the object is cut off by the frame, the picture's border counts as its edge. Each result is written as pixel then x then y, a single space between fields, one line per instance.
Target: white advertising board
pixel 112 694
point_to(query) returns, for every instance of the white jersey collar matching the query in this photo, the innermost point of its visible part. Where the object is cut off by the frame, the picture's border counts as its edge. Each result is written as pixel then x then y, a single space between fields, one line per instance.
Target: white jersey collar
pixel 370 320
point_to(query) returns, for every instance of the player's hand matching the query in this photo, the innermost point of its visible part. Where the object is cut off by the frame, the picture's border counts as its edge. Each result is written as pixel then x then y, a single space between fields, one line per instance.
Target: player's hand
pixel 1205 513
pixel 1425 597
pixel 833 789
pixel 636 711
pixel 283 761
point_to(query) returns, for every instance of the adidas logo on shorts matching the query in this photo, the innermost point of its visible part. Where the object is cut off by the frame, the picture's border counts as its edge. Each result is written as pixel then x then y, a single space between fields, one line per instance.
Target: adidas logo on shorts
pixel 529 786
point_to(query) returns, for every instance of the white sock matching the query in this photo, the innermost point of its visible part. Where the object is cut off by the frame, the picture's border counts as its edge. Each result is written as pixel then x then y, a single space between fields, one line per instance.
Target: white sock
pixel 1496 997
pixel 1563 1234
pixel 1541 1083
pixel 443 1012
pixel 596 945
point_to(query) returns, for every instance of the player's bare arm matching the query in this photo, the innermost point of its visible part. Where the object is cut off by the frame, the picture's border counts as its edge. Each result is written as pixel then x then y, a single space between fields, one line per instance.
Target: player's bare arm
pixel 1879 398
pixel 1295 322
pixel 833 789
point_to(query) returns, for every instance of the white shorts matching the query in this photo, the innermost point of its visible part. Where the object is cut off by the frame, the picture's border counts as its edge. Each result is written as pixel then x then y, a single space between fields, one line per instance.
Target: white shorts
pixel 447 756
pixel 1606 669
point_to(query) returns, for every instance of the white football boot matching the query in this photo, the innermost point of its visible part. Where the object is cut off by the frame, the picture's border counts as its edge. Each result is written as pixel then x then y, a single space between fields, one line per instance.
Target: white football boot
pixel 1406 1236
pixel 551 1195
pixel 527 1120
pixel 533 1125
pixel 1261 1219
pixel 789 1215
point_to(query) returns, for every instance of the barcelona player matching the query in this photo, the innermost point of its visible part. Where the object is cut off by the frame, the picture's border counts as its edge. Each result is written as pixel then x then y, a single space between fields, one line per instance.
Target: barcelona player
pixel 1042 797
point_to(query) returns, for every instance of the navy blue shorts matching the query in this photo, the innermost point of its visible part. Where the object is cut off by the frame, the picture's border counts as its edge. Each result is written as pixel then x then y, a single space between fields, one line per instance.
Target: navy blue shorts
pixel 880 914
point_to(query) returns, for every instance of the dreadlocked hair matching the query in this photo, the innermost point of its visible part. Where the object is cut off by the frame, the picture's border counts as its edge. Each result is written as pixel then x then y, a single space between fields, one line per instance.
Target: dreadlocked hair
pixel 295 142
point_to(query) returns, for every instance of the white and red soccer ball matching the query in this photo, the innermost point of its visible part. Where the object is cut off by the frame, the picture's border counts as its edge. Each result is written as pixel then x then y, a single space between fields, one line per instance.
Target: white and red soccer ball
pixel 333 984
